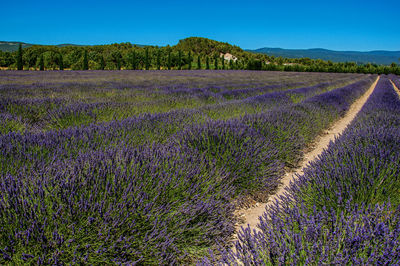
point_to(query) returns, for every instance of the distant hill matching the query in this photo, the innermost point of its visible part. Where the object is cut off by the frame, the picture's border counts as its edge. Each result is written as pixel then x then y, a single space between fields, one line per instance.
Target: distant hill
pixel 377 57
pixel 204 46
pixel 13 46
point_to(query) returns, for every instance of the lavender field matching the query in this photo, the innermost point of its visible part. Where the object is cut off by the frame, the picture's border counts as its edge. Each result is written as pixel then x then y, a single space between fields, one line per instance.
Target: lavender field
pixel 148 167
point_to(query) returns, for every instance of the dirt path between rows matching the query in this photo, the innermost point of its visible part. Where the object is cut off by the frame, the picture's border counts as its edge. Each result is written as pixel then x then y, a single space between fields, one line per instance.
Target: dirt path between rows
pixel 395 87
pixel 251 215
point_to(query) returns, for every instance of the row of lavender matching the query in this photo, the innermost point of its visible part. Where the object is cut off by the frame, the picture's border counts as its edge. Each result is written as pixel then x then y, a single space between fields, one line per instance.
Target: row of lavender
pixel 345 208
pixel 154 189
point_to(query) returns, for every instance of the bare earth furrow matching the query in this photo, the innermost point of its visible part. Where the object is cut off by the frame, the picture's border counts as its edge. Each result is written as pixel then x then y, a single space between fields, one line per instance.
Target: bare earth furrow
pixel 395 87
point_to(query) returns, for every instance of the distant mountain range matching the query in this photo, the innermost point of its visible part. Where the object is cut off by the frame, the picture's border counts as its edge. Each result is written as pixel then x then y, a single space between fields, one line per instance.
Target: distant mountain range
pixel 377 57
pixel 13 46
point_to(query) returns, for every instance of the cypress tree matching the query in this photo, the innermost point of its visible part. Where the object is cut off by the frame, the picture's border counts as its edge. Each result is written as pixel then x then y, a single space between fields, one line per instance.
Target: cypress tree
pixel 147 59
pixel 118 63
pixel 231 64
pixel 20 65
pixel 85 61
pixel 102 63
pixel 190 60
pixel 41 62
pixel 133 60
pixel 216 62
pixel 207 63
pixel 159 59
pixel 169 59
pixel 179 60
pixel 223 62
pixel 61 63
pixel 198 62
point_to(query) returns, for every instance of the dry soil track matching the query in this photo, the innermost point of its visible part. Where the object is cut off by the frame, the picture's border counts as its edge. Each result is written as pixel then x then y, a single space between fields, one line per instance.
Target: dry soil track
pixel 252 215
pixel 395 87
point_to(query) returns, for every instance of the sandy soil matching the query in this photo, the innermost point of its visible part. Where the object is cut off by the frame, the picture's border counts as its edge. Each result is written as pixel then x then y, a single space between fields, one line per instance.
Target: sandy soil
pixel 251 215
pixel 395 87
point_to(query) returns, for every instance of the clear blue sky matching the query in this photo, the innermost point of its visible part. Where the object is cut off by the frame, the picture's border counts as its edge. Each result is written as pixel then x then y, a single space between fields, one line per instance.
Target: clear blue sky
pixel 340 25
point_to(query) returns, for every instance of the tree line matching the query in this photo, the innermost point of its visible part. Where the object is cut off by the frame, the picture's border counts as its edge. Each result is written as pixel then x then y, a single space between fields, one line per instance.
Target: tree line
pixel 190 53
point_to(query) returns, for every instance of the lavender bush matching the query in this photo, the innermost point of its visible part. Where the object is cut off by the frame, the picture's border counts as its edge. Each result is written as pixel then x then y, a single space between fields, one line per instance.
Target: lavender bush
pixel 120 205
pixel 250 161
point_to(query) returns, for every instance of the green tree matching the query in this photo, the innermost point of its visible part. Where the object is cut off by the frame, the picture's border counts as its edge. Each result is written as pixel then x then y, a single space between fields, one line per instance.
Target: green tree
pixel 231 64
pixel 216 62
pixel 6 59
pixel 51 59
pixel 116 58
pixel 189 60
pixel 133 60
pixel 20 64
pixel 118 63
pixel 169 59
pixel 159 59
pixel 60 62
pixel 179 60
pixel 207 62
pixel 85 61
pixel 198 62
pixel 223 62
pixel 41 62
pixel 102 62
pixel 147 59
pixel 30 57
